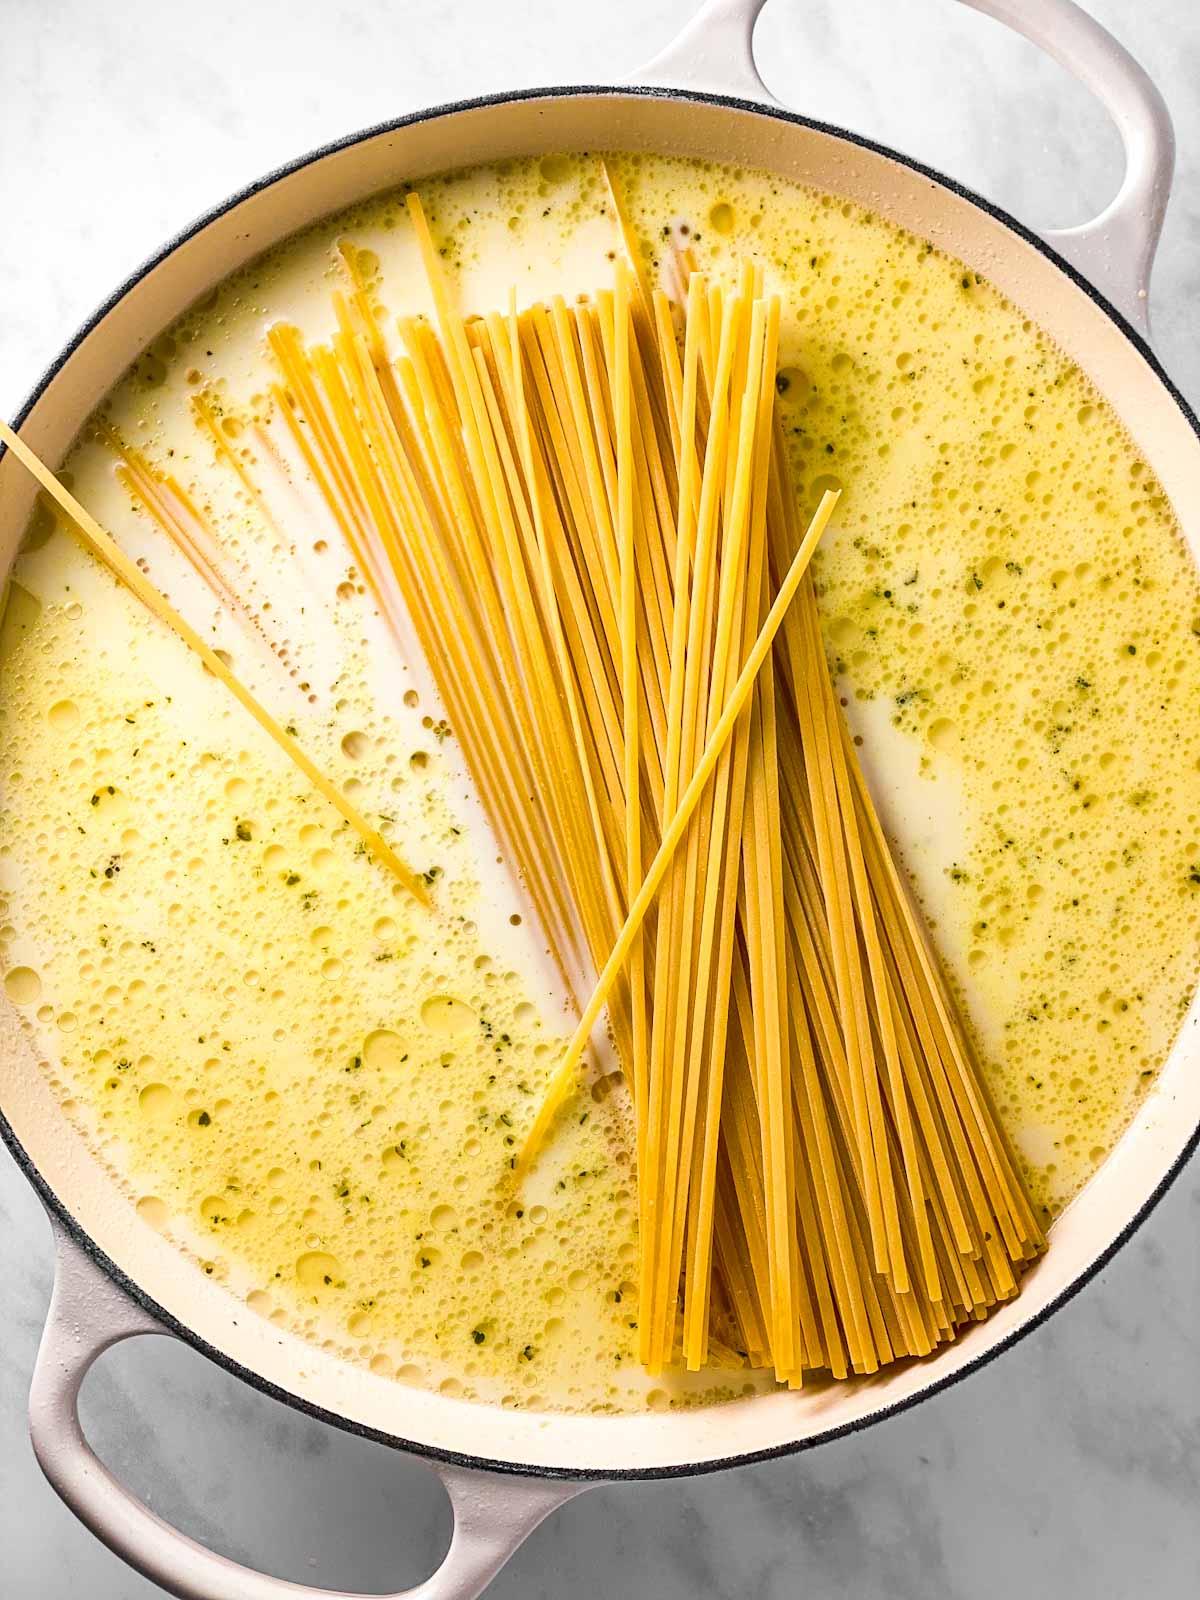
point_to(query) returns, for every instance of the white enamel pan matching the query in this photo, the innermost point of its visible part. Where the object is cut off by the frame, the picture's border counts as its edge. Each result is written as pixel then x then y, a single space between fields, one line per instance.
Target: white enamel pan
pixel 118 1278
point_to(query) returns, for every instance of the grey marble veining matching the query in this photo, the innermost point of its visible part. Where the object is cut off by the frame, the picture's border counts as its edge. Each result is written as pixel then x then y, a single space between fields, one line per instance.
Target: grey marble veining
pixel 1071 1467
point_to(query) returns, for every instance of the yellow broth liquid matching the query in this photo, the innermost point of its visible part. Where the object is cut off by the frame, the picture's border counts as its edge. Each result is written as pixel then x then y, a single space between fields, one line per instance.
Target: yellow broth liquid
pixel 313 1086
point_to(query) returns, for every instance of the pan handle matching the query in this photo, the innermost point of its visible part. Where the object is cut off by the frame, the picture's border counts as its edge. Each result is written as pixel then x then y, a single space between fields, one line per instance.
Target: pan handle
pixel 88 1314
pixel 1114 251
pixel 715 54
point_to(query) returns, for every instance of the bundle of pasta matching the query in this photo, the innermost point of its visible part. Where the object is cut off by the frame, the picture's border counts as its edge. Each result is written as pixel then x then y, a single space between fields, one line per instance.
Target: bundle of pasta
pixel 586 512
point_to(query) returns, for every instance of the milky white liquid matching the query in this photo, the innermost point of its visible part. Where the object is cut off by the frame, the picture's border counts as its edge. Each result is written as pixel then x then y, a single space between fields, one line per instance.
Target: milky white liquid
pixel 314 1086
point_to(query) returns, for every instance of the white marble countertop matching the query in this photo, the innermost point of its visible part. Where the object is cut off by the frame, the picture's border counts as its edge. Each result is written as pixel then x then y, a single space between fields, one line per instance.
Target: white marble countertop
pixel 1072 1466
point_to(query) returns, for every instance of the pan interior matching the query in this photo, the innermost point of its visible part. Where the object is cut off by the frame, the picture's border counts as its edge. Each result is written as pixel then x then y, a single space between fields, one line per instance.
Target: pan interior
pixel 980 241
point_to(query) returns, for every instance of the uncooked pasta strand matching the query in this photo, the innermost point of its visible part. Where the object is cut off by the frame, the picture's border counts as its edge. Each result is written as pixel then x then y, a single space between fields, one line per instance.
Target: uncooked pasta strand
pixel 106 550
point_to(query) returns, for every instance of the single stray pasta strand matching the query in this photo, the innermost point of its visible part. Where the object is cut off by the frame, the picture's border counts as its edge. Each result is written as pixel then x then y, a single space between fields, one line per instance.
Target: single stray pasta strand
pixel 565 1073
pixel 106 550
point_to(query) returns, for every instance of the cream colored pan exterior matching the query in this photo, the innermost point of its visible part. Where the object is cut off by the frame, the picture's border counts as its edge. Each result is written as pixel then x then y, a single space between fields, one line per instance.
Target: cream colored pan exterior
pixel 117 1275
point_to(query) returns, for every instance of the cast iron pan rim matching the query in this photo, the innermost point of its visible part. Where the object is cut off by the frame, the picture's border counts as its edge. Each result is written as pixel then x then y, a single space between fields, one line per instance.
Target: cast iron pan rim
pixel 433 1452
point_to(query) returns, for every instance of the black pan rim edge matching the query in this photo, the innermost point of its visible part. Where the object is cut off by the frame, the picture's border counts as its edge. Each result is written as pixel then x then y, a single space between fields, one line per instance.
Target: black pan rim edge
pixel 62 1216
